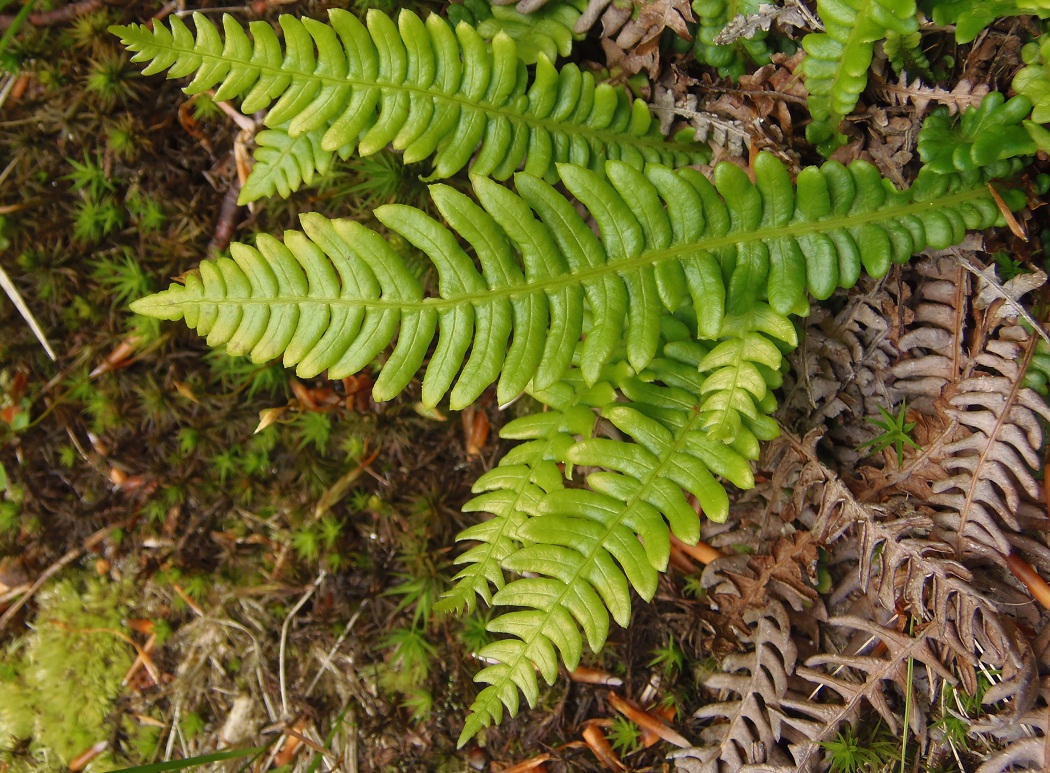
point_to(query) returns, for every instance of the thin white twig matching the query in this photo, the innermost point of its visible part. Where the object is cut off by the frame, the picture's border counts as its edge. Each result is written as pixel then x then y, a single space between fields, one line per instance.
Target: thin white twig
pixel 284 636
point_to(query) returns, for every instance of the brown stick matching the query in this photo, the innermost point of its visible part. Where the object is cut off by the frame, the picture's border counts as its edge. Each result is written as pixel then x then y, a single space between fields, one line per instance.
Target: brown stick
pixel 57 16
pixel 228 218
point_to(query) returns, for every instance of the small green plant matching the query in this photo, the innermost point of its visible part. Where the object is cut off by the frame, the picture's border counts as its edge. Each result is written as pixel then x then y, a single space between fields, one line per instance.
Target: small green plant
pixel 90 177
pixel 858 752
pixel 407 668
pixel 624 735
pixel 1008 266
pixel 960 708
pixel 475 634
pixel 110 80
pixel 896 432
pixel 94 219
pixel 669 659
pixel 10 498
pixel 122 275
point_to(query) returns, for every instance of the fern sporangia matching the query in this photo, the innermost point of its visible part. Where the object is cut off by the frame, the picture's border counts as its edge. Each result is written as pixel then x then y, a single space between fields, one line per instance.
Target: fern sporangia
pixel 837 61
pixel 682 304
pixel 421 86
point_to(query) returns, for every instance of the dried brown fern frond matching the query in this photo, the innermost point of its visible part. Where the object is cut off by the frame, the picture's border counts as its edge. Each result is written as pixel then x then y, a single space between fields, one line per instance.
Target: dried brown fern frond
pixel 916 556
pixel 789 13
pixel 726 133
pixel 875 674
pixel 930 351
pixel 768 597
pixel 843 368
pixel 916 93
pixel 633 43
pixel 1025 739
pixel 751 684
pixel 997 449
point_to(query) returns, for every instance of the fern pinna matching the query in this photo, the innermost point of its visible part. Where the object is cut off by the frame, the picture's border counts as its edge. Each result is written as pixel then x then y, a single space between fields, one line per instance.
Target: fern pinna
pixel 425 88
pixel 670 325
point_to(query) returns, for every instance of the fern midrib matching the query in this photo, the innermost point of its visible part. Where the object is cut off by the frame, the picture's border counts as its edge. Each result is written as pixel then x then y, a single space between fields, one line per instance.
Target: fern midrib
pixel 645 258
pixel 607 138
pixel 736 380
pixel 679 442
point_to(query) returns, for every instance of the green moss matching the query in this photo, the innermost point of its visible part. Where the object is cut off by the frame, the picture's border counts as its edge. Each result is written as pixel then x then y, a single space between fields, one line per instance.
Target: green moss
pixel 59 684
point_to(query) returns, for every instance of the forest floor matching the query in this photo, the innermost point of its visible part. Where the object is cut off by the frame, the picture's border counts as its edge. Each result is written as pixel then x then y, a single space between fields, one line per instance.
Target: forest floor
pixel 199 553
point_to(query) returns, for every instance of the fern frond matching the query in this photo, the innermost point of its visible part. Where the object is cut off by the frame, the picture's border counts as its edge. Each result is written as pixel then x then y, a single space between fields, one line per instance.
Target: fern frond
pixel 964 95
pixel 591 546
pixel 334 297
pixel 1033 80
pixel 851 680
pixel 837 61
pixel 549 30
pixel 420 86
pixel 752 683
pixel 905 54
pixel 970 18
pixel 284 163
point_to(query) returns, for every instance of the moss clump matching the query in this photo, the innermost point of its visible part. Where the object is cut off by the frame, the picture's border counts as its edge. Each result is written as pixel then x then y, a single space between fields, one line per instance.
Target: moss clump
pixel 58 685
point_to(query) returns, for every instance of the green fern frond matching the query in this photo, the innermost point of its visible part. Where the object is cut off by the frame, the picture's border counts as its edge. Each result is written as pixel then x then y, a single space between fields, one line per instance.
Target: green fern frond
pixel 524 475
pixel 334 297
pixel 420 86
pixel 284 163
pixel 1033 82
pixel 906 55
pixel 837 61
pixel 591 546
